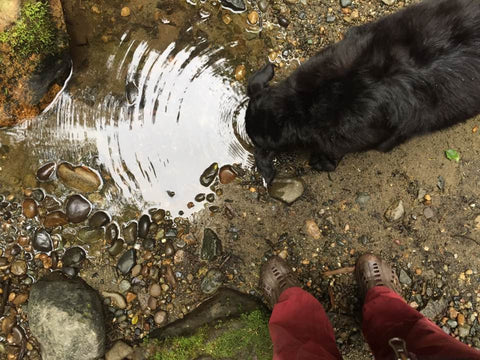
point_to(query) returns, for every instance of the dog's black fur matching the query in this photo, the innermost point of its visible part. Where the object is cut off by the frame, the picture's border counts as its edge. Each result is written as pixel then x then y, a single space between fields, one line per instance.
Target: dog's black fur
pixel 410 73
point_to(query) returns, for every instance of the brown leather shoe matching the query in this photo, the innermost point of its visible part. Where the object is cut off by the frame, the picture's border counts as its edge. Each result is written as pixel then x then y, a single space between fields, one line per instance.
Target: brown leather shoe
pixel 276 276
pixel 371 271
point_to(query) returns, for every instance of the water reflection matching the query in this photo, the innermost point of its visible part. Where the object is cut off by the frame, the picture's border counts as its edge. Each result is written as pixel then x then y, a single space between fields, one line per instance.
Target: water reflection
pixel 180 111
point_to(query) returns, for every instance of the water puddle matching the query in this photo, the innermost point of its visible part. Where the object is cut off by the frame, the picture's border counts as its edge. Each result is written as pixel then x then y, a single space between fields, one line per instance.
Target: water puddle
pixel 158 121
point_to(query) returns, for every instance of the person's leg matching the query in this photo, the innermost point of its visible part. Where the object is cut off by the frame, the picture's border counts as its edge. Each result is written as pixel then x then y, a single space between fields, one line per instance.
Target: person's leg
pixel 386 315
pixel 299 326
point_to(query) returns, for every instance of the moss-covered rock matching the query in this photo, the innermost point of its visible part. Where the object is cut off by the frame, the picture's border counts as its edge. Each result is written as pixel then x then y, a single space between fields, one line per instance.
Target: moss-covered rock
pixel 34 58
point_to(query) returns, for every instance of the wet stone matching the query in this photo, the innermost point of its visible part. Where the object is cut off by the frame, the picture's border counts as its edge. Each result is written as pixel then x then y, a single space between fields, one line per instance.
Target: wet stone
pixel 388 2
pixel 395 212
pixel 18 268
pixel 211 245
pixel 158 216
pixel 99 219
pixel 77 208
pixel 263 5
pixel 212 281
pixel 50 203
pixel 111 233
pixel 45 172
pixel 136 270
pixel 234 5
pixel 30 209
pixel 199 197
pixel 170 193
pixel 209 175
pixel 80 178
pixel 116 248
pixel 211 197
pixel 283 21
pixel 54 219
pixel 330 18
pixel 286 190
pixel 74 257
pixel 345 3
pixel 127 261
pixel 38 195
pixel 42 241
pixel 91 235
pixel 130 232
pixel 144 226
pixel 131 93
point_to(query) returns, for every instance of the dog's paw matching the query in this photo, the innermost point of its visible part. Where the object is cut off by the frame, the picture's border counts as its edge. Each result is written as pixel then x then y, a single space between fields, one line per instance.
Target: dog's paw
pixel 320 162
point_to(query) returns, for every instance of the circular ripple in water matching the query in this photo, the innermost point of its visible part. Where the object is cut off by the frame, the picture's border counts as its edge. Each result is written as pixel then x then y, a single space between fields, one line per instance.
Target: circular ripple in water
pixel 180 112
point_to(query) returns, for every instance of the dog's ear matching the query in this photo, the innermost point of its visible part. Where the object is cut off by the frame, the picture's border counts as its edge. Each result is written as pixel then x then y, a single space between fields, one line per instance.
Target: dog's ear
pixel 259 80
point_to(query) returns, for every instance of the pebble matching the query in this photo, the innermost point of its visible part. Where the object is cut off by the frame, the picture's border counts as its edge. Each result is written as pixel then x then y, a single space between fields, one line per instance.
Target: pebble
pixel 155 290
pixel 117 299
pixel 463 331
pixel 428 213
pixel 116 248
pixel 240 73
pixel 160 317
pixel 54 219
pixel 209 174
pixel 144 224
pixel 77 208
pixel 125 11
pixel 312 229
pixel 98 219
pixel 74 256
pixel 388 2
pixel 404 278
pixel 330 18
pixel 210 197
pixel 50 203
pixel 42 241
pixel 44 173
pixel 152 302
pixel 111 232
pixel 226 174
pixel 345 3
pixel 227 19
pixel 283 21
pixel 263 5
pixel 211 245
pixel 90 235
pixel 212 281
pixel 200 197
pixel 127 261
pixel 130 232
pixel 30 209
pixel 179 257
pixel 80 178
pixel 287 190
pixel 124 286
pixel 234 5
pixel 18 268
pixel 395 212
pixel 252 17
pixel 136 270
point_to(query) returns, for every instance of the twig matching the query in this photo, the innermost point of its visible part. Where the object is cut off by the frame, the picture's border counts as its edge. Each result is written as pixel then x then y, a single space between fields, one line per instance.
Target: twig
pixel 344 270
pixel 467 237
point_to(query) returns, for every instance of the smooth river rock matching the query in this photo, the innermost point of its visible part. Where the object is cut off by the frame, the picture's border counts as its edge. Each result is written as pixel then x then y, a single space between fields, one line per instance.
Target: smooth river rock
pixel 286 189
pixel 80 178
pixel 77 208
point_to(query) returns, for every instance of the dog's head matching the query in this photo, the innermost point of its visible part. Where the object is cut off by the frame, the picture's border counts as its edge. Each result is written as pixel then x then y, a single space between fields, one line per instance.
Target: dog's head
pixel 260 115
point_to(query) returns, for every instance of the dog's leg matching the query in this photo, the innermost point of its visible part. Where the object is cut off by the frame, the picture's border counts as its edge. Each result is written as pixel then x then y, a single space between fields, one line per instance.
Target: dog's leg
pixel 264 163
pixel 322 162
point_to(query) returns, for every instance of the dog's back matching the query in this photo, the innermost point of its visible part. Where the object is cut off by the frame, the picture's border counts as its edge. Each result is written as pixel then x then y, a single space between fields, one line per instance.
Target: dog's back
pixel 409 73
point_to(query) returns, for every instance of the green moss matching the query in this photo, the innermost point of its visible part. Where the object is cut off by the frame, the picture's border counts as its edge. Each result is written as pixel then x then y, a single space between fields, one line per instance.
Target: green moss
pixel 251 338
pixel 33 33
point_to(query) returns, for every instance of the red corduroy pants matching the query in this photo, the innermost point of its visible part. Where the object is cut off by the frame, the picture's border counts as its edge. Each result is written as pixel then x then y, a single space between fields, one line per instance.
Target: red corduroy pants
pixel 300 329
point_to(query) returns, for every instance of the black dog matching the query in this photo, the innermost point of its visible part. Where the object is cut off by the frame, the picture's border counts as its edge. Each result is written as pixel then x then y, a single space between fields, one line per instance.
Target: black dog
pixel 410 73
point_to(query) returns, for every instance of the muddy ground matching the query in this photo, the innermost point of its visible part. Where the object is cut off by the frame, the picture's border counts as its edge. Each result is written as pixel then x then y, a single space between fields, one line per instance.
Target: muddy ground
pixel 436 242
